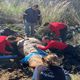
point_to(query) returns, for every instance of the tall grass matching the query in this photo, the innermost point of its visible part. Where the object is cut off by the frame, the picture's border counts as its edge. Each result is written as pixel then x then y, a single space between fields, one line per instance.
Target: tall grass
pixel 50 13
pixel 55 12
pixel 13 11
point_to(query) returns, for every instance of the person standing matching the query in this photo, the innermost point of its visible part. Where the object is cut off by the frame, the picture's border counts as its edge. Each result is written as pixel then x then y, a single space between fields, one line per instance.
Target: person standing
pixel 32 17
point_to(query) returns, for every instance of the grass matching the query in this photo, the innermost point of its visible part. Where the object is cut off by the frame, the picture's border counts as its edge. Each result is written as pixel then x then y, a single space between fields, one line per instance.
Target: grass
pixel 75 77
pixel 57 12
pixel 13 11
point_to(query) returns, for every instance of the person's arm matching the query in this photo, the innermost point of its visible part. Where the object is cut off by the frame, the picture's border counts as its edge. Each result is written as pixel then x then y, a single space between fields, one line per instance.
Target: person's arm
pixel 10 47
pixel 25 13
pixel 34 40
pixel 3 48
pixel 8 44
pixel 7 52
pixel 4 51
pixel 45 47
pixel 39 14
pixel 39 17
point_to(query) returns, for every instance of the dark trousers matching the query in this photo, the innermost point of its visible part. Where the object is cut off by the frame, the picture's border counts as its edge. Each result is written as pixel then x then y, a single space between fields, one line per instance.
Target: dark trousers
pixel 29 28
pixel 58 52
pixel 70 53
pixel 70 50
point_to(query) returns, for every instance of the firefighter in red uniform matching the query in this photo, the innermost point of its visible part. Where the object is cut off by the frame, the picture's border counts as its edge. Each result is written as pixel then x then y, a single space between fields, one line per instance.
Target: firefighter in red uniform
pixel 59 28
pixel 60 48
pixel 5 43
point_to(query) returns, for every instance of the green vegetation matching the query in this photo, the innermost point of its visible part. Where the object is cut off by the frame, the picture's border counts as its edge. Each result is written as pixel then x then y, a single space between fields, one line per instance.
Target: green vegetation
pixel 57 12
pixel 12 11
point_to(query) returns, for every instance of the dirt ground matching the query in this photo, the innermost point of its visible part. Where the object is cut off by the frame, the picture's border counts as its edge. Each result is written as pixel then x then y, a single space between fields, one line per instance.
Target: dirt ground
pixel 11 71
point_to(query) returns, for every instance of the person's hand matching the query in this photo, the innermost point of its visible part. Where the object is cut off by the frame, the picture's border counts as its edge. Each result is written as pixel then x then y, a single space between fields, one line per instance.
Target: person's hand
pixel 39 45
pixel 35 45
pixel 25 14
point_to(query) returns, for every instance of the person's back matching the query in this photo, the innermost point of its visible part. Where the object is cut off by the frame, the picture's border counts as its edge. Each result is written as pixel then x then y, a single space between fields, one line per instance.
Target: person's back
pixel 5 44
pixel 56 27
pixel 59 28
pixel 48 73
pixel 32 14
pixel 2 38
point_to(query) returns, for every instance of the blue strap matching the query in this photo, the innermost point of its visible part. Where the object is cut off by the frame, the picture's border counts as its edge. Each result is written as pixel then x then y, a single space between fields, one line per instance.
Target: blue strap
pixel 26 58
pixel 41 52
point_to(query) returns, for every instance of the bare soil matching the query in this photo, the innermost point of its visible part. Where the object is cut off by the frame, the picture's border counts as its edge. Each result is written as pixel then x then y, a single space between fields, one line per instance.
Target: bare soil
pixel 10 70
